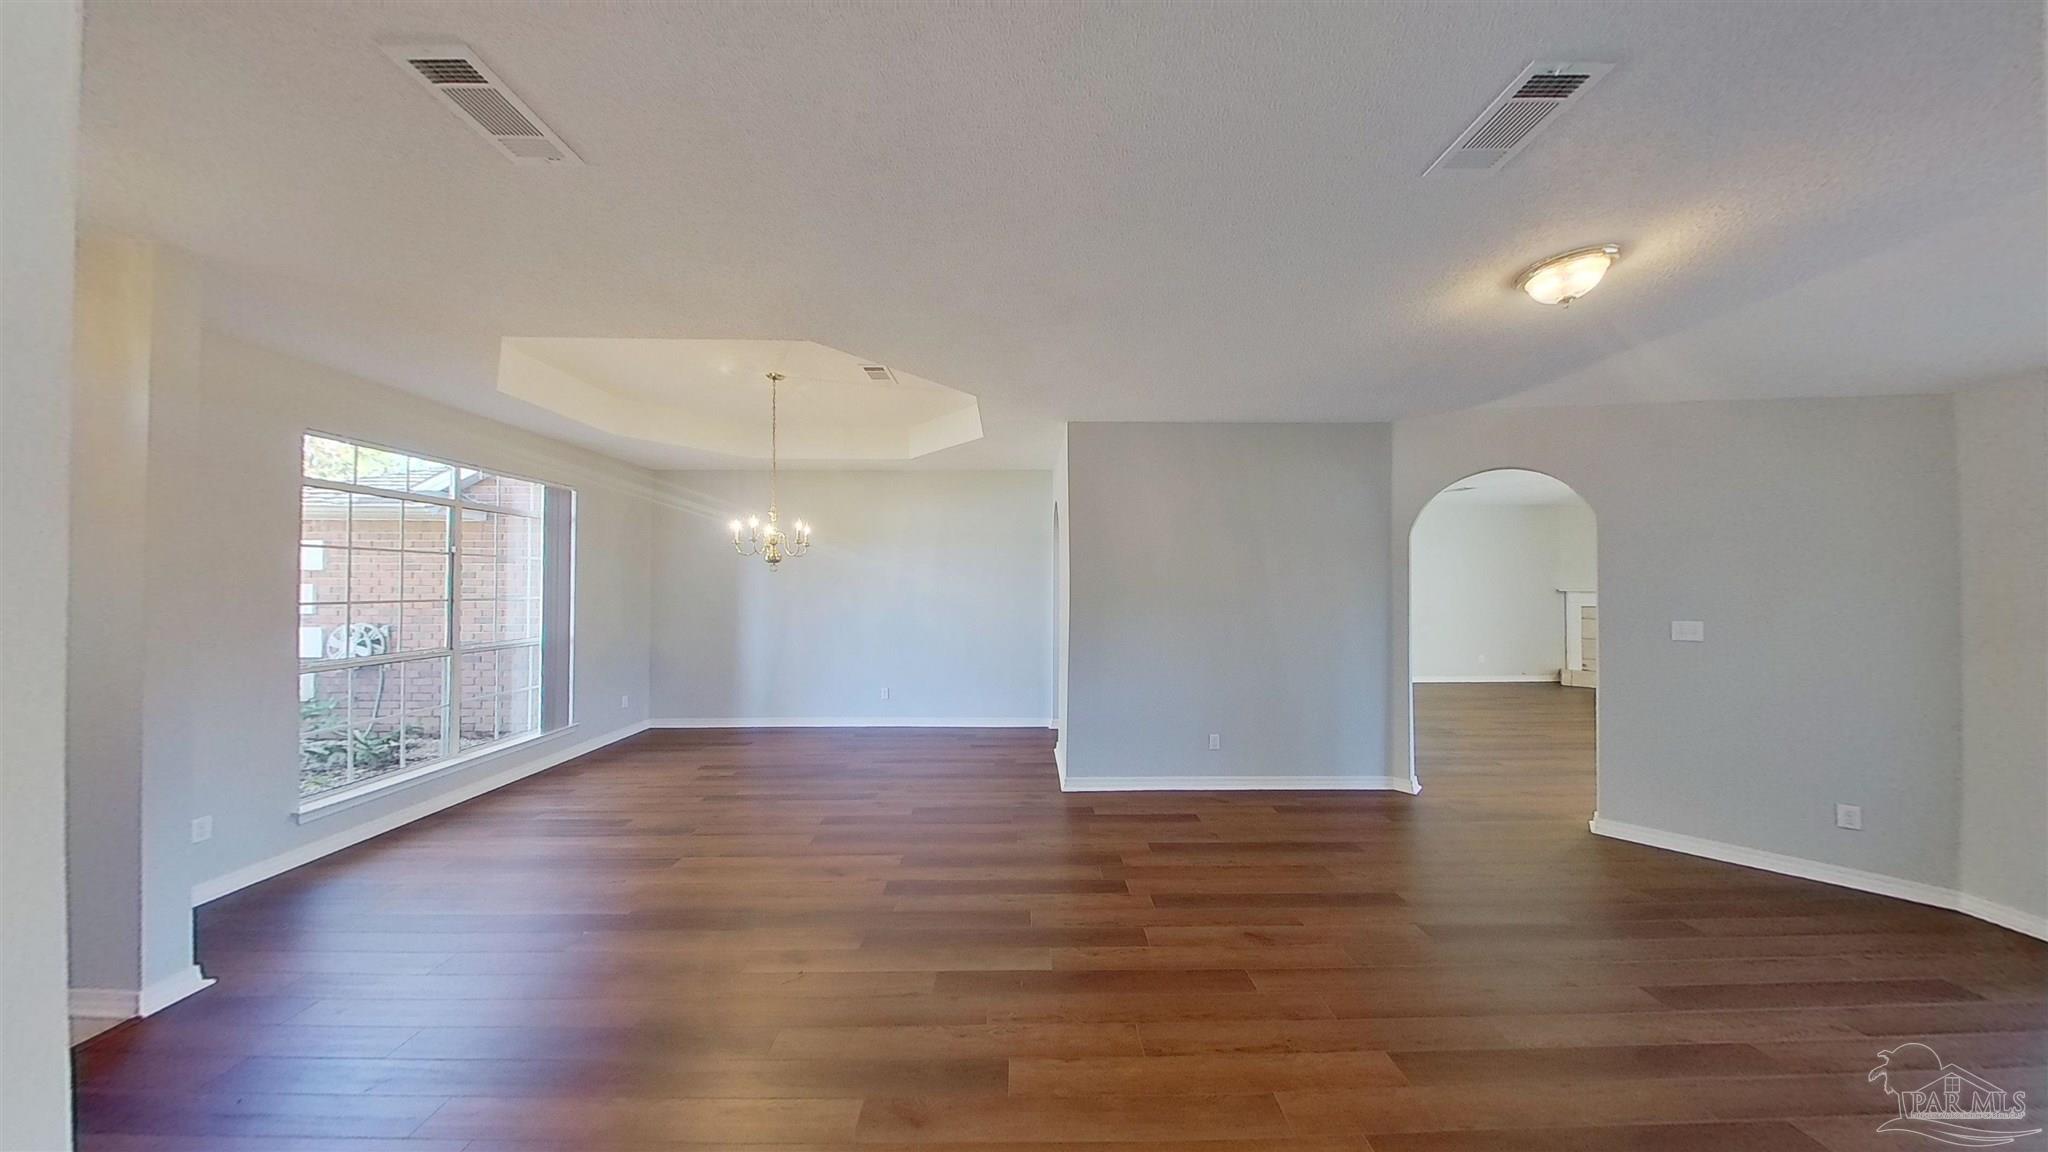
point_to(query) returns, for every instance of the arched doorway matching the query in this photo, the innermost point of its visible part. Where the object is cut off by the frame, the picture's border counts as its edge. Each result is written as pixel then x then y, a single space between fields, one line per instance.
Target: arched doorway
pixel 1503 642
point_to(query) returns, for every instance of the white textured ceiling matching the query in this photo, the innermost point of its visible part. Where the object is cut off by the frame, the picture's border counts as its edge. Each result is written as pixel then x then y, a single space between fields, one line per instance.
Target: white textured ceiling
pixel 1095 211
pixel 713 397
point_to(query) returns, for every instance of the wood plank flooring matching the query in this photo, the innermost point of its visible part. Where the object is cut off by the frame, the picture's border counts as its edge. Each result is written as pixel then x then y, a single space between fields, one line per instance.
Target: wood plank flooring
pixel 911 939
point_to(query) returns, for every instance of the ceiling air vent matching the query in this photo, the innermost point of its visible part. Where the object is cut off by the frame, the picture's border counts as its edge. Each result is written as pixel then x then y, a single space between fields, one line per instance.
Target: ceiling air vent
pixel 475 94
pixel 456 71
pixel 877 372
pixel 1532 102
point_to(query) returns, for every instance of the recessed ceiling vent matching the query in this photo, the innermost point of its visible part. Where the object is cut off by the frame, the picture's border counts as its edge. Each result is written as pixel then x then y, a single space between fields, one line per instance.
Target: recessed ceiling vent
pixel 475 94
pixel 877 373
pixel 1531 103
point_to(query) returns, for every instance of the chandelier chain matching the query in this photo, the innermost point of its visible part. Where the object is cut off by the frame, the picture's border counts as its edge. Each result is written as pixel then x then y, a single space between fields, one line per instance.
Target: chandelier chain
pixel 769 541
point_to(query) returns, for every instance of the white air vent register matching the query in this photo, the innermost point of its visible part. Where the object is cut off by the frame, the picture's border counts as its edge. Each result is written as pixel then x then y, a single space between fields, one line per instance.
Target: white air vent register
pixel 479 99
pixel 1527 106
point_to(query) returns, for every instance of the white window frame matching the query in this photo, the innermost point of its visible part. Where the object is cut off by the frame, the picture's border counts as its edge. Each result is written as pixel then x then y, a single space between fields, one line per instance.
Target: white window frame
pixel 453 755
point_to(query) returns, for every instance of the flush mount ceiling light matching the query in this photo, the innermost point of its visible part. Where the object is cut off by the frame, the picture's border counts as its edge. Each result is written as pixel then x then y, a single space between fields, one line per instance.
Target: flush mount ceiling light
pixel 1568 276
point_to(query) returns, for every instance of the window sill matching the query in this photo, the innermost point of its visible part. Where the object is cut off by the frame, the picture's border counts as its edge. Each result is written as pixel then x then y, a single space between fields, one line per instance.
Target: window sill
pixel 327 805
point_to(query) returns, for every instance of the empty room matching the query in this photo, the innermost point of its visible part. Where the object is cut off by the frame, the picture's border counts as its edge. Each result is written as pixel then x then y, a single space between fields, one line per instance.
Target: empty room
pixel 1206 577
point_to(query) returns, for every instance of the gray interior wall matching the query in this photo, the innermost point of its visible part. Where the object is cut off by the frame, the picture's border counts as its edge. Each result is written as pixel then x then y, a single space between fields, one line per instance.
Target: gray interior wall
pixel 39 47
pixel 232 492
pixel 1063 590
pixel 1488 603
pixel 181 567
pixel 1578 547
pixel 1227 579
pixel 1816 541
pixel 104 674
pixel 933 585
pixel 127 773
pixel 2002 464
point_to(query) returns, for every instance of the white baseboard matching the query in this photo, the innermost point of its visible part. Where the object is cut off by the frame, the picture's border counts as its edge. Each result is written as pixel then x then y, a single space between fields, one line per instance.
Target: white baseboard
pixel 1547 678
pixel 1059 761
pixel 262 870
pixel 2003 915
pixel 1239 784
pixel 84 1028
pixel 854 722
pixel 168 991
pixel 124 1004
pixel 104 1003
pixel 1874 882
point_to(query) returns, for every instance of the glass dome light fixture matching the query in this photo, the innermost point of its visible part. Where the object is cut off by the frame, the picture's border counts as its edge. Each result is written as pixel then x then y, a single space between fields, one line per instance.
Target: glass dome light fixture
pixel 769 541
pixel 1569 275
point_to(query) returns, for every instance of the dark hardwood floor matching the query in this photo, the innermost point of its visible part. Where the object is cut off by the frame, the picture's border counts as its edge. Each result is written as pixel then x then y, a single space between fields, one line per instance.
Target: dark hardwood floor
pixel 822 939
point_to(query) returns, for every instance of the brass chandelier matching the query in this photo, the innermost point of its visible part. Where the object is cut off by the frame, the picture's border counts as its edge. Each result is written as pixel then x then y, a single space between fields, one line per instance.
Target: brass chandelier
pixel 769 541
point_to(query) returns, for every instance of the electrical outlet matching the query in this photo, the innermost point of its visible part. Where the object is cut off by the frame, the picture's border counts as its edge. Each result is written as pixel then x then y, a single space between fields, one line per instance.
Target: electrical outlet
pixel 885 693
pixel 1849 816
pixel 625 701
pixel 202 829
pixel 1691 631
pixel 1215 742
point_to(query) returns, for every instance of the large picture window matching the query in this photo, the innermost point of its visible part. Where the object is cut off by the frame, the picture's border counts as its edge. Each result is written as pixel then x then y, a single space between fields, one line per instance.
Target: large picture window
pixel 423 607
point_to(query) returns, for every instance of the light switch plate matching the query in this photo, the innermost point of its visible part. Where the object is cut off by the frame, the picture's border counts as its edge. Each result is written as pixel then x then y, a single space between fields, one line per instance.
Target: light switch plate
pixel 1849 816
pixel 202 829
pixel 1692 631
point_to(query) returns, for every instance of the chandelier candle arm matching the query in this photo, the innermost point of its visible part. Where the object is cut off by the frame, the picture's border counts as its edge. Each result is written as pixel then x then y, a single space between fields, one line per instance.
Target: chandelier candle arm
pixel 769 541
